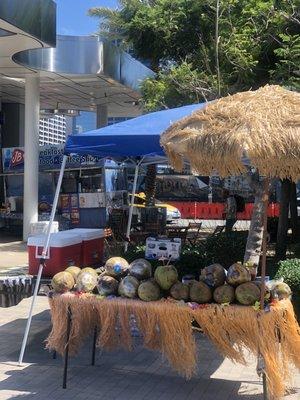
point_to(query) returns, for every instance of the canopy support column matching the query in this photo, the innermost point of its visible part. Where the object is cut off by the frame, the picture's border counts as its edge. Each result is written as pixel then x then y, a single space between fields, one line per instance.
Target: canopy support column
pixel 31 153
pixel 101 116
pixel 42 263
pixel 136 173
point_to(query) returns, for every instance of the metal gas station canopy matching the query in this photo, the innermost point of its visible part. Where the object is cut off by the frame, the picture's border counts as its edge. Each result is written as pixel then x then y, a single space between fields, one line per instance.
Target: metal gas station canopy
pixel 80 73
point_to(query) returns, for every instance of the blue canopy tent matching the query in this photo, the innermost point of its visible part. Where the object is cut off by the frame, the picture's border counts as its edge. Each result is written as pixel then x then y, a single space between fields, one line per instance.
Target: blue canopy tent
pixel 136 140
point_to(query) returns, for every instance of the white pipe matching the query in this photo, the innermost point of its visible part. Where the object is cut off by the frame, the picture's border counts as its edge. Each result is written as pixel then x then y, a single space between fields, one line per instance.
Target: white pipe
pixel 136 173
pixel 45 249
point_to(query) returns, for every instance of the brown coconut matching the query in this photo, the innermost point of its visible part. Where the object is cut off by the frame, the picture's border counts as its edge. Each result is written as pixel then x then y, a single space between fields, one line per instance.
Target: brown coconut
pixel 116 267
pixel 62 282
pixel 238 274
pixel 247 293
pixel 224 294
pixel 213 275
pixel 149 290
pixel 180 291
pixel 200 292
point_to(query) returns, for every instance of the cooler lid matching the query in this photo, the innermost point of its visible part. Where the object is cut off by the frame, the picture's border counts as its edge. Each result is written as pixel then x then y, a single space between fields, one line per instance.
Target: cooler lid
pixel 59 239
pixel 86 233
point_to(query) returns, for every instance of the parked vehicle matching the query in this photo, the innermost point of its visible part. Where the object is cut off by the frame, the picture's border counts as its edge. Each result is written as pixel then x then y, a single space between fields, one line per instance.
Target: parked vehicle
pixel 172 212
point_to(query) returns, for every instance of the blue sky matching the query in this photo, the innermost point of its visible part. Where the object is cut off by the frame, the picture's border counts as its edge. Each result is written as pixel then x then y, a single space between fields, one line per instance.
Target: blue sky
pixel 72 18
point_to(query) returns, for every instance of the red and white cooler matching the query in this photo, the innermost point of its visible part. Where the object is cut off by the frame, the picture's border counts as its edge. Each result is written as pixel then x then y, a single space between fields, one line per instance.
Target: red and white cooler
pixel 64 250
pixel 92 249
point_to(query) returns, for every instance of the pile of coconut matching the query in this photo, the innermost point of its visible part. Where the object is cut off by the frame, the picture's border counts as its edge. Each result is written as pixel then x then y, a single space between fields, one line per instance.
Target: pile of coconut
pixel 136 280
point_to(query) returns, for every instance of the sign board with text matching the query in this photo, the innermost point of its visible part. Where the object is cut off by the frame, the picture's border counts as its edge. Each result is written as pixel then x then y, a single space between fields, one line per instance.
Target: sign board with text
pixel 50 158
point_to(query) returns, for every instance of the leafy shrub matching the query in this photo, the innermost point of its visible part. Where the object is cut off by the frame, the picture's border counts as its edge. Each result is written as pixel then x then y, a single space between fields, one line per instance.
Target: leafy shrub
pixel 289 270
pixel 224 249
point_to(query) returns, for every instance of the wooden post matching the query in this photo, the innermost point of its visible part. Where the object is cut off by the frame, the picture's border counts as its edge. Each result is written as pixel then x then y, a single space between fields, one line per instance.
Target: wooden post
pixel 264 244
pixel 66 355
pixel 263 266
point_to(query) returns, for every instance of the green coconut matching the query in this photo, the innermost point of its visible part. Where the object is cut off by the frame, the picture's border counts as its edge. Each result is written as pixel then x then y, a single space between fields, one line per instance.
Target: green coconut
pixel 213 275
pixel 75 271
pixel 247 293
pixel 116 267
pixel 238 274
pixel 86 281
pixel 149 290
pixel 224 294
pixel 128 287
pixel 62 282
pixel 281 290
pixel 141 269
pixel 200 292
pixel 166 276
pixel 180 291
pixel 107 285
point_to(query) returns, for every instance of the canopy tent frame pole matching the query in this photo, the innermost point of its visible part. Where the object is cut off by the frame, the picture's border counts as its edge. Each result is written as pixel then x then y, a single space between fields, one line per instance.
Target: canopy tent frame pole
pixel 42 262
pixel 136 173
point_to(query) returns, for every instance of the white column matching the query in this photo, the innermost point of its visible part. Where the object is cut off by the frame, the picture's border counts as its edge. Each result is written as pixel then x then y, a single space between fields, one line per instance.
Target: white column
pixel 31 150
pixel 102 116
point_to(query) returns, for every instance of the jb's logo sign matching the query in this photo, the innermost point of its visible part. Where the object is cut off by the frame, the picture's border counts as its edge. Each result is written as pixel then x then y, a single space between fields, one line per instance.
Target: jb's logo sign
pixel 17 158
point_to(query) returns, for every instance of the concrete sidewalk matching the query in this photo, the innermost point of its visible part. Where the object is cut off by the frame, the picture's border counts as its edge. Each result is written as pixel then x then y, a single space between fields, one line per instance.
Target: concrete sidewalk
pixel 13 256
pixel 118 375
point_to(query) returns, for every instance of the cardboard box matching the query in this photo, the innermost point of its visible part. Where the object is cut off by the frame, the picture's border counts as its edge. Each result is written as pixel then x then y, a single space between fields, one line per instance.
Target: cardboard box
pixel 162 248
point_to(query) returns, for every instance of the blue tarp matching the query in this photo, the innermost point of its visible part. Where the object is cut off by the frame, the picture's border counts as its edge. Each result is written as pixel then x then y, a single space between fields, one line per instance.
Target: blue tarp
pixel 136 137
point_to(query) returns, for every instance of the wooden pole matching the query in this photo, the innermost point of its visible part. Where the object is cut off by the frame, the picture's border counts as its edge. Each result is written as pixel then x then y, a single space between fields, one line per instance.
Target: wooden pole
pixel 264 244
pixel 66 355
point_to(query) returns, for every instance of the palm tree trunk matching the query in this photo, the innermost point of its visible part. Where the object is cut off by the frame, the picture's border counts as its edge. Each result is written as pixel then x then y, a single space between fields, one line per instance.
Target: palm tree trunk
pixel 283 222
pixel 256 230
pixel 150 185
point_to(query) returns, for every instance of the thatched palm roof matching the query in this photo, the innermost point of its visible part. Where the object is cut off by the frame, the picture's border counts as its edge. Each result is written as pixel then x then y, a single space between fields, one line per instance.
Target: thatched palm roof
pixel 263 125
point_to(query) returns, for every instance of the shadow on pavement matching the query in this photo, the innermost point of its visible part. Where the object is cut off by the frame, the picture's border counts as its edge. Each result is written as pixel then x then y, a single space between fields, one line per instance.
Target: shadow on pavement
pixel 118 375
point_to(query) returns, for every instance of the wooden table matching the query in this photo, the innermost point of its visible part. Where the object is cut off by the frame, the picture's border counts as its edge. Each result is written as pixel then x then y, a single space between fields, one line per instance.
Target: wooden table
pixel 273 336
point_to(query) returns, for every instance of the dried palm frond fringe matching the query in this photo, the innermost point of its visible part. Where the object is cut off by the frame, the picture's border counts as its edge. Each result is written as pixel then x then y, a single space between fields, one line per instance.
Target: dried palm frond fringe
pixel 263 125
pixel 166 327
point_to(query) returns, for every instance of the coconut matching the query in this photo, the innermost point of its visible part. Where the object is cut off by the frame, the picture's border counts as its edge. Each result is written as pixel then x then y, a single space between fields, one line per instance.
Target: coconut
pixel 62 282
pixel 200 292
pixel 141 269
pixel 247 293
pixel 166 276
pixel 224 294
pixel 107 285
pixel 116 267
pixel 86 281
pixel 180 291
pixel 214 275
pixel 281 290
pixel 149 290
pixel 75 271
pixel 128 287
pixel 238 274
pixel 90 270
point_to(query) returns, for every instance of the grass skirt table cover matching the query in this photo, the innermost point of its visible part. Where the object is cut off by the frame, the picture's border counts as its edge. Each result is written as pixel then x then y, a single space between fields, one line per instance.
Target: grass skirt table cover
pixel 166 327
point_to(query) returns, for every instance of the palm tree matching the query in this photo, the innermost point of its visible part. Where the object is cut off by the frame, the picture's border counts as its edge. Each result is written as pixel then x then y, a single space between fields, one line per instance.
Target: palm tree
pixel 150 185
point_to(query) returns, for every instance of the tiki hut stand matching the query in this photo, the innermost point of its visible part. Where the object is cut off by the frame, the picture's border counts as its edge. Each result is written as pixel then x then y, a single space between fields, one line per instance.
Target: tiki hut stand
pixel 262 126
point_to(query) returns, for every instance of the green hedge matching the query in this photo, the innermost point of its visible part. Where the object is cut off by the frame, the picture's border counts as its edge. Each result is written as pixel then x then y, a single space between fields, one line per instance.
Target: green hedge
pixel 224 249
pixel 289 270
